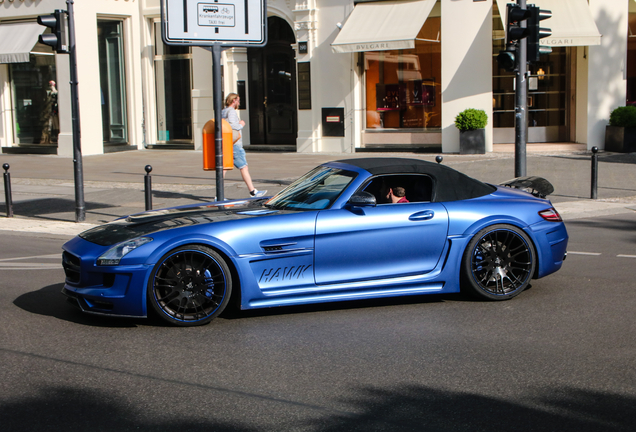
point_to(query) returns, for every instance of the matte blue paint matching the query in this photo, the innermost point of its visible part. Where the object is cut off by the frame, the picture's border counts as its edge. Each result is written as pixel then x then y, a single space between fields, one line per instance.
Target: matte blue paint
pixel 284 257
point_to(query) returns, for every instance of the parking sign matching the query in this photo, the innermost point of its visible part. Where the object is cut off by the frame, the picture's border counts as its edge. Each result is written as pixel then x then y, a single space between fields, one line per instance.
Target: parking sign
pixel 210 22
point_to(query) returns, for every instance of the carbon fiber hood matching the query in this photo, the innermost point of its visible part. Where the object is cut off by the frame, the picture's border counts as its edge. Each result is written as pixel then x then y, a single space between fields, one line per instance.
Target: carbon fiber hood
pixel 158 220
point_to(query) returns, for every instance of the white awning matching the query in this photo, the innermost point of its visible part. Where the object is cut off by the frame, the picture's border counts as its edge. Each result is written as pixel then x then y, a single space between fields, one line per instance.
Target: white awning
pixel 571 22
pixel 381 26
pixel 17 40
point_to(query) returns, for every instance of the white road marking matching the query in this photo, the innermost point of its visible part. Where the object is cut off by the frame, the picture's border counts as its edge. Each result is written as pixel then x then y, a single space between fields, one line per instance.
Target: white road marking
pixel 52 256
pixel 4 265
pixel 626 256
pixel 584 253
pixel 30 264
pixel 29 268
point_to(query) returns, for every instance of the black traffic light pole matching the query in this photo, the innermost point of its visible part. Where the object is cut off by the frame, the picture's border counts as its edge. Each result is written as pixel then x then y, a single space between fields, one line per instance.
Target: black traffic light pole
pixel 521 105
pixel 80 208
pixel 57 40
pixel 523 45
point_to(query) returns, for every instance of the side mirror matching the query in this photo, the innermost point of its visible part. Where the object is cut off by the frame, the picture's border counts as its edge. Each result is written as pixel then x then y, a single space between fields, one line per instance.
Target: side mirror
pixel 362 199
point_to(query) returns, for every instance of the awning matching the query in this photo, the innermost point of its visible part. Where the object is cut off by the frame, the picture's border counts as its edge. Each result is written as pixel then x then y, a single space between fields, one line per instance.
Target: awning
pixel 571 22
pixel 381 26
pixel 17 40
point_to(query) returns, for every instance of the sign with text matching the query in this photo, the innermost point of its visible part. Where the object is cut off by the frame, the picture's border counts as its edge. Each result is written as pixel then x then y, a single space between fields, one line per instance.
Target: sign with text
pixel 209 22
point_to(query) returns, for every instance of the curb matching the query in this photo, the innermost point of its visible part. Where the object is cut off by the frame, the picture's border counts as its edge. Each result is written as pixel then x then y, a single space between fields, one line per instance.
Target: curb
pixel 31 225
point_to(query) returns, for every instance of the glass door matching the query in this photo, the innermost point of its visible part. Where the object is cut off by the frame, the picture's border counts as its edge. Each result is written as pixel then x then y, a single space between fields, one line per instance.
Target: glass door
pixel 173 90
pixel 112 81
pixel 272 91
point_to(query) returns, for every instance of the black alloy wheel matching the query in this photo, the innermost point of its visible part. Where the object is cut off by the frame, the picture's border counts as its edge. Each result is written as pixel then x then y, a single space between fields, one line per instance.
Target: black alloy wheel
pixel 499 262
pixel 190 286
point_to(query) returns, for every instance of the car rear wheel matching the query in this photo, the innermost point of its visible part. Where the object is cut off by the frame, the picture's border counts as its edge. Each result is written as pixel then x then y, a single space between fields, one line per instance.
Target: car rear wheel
pixel 190 286
pixel 499 262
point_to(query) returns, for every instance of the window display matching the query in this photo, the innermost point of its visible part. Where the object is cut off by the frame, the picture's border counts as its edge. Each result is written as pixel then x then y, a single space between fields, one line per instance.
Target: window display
pixel 402 86
pixel 35 109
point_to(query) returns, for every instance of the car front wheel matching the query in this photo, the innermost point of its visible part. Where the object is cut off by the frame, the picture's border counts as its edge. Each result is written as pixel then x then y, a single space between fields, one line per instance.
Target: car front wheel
pixel 190 286
pixel 499 262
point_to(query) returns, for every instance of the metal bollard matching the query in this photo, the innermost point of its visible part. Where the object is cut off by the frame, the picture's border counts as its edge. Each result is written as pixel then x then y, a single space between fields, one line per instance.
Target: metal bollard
pixel 7 190
pixel 148 187
pixel 439 159
pixel 594 188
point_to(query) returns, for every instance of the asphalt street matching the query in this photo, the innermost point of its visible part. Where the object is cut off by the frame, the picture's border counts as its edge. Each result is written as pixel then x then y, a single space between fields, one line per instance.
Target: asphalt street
pixel 560 357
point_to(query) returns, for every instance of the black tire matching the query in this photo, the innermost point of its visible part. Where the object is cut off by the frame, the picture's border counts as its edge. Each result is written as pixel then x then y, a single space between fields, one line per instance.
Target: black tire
pixel 498 263
pixel 190 286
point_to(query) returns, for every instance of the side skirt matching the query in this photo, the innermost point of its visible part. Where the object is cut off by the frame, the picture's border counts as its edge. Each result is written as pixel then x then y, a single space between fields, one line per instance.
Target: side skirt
pixel 323 297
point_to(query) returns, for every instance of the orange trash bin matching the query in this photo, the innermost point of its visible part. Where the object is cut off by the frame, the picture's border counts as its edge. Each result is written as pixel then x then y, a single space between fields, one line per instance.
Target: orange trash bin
pixel 209 148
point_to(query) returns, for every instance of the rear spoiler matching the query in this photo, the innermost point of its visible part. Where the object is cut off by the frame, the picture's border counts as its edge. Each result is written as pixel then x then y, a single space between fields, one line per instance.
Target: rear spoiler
pixel 537 186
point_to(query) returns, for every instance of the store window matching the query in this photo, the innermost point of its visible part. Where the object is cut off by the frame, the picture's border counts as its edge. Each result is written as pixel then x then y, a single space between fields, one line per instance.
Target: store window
pixel 34 98
pixel 547 102
pixel 403 86
pixel 112 80
pixel 173 87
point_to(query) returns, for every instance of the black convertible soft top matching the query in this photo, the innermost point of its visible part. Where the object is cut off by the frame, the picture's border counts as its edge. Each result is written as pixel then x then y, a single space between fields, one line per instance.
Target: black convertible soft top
pixel 449 185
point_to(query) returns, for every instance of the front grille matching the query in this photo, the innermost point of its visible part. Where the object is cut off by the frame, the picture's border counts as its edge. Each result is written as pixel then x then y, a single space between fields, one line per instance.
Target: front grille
pixel 71 265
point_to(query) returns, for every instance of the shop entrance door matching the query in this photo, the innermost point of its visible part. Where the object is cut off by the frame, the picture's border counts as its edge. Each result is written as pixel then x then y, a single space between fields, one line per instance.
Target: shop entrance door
pixel 272 87
pixel 112 79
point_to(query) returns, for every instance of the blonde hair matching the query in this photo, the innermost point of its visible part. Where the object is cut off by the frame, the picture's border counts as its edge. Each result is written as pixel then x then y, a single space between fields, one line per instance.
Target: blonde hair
pixel 229 100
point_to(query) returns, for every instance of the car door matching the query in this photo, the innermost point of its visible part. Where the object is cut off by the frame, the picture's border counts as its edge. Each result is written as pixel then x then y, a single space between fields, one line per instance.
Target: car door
pixel 388 240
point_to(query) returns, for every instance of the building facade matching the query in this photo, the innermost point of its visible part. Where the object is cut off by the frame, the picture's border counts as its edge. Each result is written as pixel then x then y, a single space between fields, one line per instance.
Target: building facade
pixel 335 76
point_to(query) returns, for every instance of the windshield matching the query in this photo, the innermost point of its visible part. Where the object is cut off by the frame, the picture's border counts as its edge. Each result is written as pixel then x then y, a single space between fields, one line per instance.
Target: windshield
pixel 316 190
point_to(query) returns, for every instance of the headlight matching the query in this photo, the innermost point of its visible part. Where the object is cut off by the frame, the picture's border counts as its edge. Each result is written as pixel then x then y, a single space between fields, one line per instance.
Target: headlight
pixel 116 253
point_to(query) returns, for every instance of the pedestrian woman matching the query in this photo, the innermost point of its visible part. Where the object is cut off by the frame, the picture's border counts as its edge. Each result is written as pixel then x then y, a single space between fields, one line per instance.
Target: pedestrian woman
pixel 232 102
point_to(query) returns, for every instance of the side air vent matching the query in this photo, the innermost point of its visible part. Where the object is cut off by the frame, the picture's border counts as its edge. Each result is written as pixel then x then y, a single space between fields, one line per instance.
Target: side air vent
pixel 272 248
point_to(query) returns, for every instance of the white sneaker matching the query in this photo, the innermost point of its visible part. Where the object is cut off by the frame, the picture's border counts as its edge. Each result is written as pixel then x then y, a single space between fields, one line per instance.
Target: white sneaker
pixel 257 193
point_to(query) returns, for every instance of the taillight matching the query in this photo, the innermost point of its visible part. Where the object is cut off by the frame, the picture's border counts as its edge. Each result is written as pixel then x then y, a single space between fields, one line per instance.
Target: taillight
pixel 551 215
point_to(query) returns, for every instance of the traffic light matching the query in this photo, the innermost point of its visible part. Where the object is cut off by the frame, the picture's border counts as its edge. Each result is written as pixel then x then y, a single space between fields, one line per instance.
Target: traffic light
pixel 507 58
pixel 536 33
pixel 57 38
pixel 514 17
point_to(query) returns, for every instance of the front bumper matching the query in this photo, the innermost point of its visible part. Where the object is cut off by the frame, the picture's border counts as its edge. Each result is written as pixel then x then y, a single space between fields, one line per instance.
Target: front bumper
pixel 103 290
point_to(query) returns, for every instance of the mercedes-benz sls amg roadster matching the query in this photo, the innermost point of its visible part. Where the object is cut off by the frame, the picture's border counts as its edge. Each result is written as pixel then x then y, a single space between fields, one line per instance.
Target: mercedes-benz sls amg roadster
pixel 347 230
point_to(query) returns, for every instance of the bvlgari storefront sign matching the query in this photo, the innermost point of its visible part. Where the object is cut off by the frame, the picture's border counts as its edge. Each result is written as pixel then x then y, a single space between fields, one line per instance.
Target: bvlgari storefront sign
pixel 374 46
pixel 558 42
pixel 571 41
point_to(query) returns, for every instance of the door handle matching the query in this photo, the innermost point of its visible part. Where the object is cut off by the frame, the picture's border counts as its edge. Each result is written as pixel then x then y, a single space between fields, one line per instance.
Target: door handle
pixel 265 102
pixel 423 215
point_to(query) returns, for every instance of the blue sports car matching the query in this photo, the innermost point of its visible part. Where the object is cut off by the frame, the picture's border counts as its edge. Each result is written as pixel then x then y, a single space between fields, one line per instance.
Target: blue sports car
pixel 349 229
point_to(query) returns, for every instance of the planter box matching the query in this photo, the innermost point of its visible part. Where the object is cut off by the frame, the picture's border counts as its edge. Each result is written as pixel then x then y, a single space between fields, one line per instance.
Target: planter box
pixel 472 142
pixel 620 139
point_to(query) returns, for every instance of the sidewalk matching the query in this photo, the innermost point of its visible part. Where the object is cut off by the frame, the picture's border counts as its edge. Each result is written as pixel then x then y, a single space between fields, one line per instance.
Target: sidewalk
pixel 43 188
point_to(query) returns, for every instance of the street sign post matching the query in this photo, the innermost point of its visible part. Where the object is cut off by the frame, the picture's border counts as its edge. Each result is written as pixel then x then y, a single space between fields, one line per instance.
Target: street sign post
pixel 218 24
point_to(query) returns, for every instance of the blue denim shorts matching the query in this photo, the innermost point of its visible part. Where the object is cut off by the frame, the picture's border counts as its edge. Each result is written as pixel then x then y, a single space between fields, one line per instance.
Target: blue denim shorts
pixel 240 161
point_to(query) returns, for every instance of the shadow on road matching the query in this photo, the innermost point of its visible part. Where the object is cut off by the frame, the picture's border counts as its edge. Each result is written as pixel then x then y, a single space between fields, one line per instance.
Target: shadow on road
pixel 49 301
pixel 404 408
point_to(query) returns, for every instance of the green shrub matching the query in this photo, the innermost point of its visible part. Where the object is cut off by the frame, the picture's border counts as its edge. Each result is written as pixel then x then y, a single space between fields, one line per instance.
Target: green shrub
pixel 471 119
pixel 624 116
